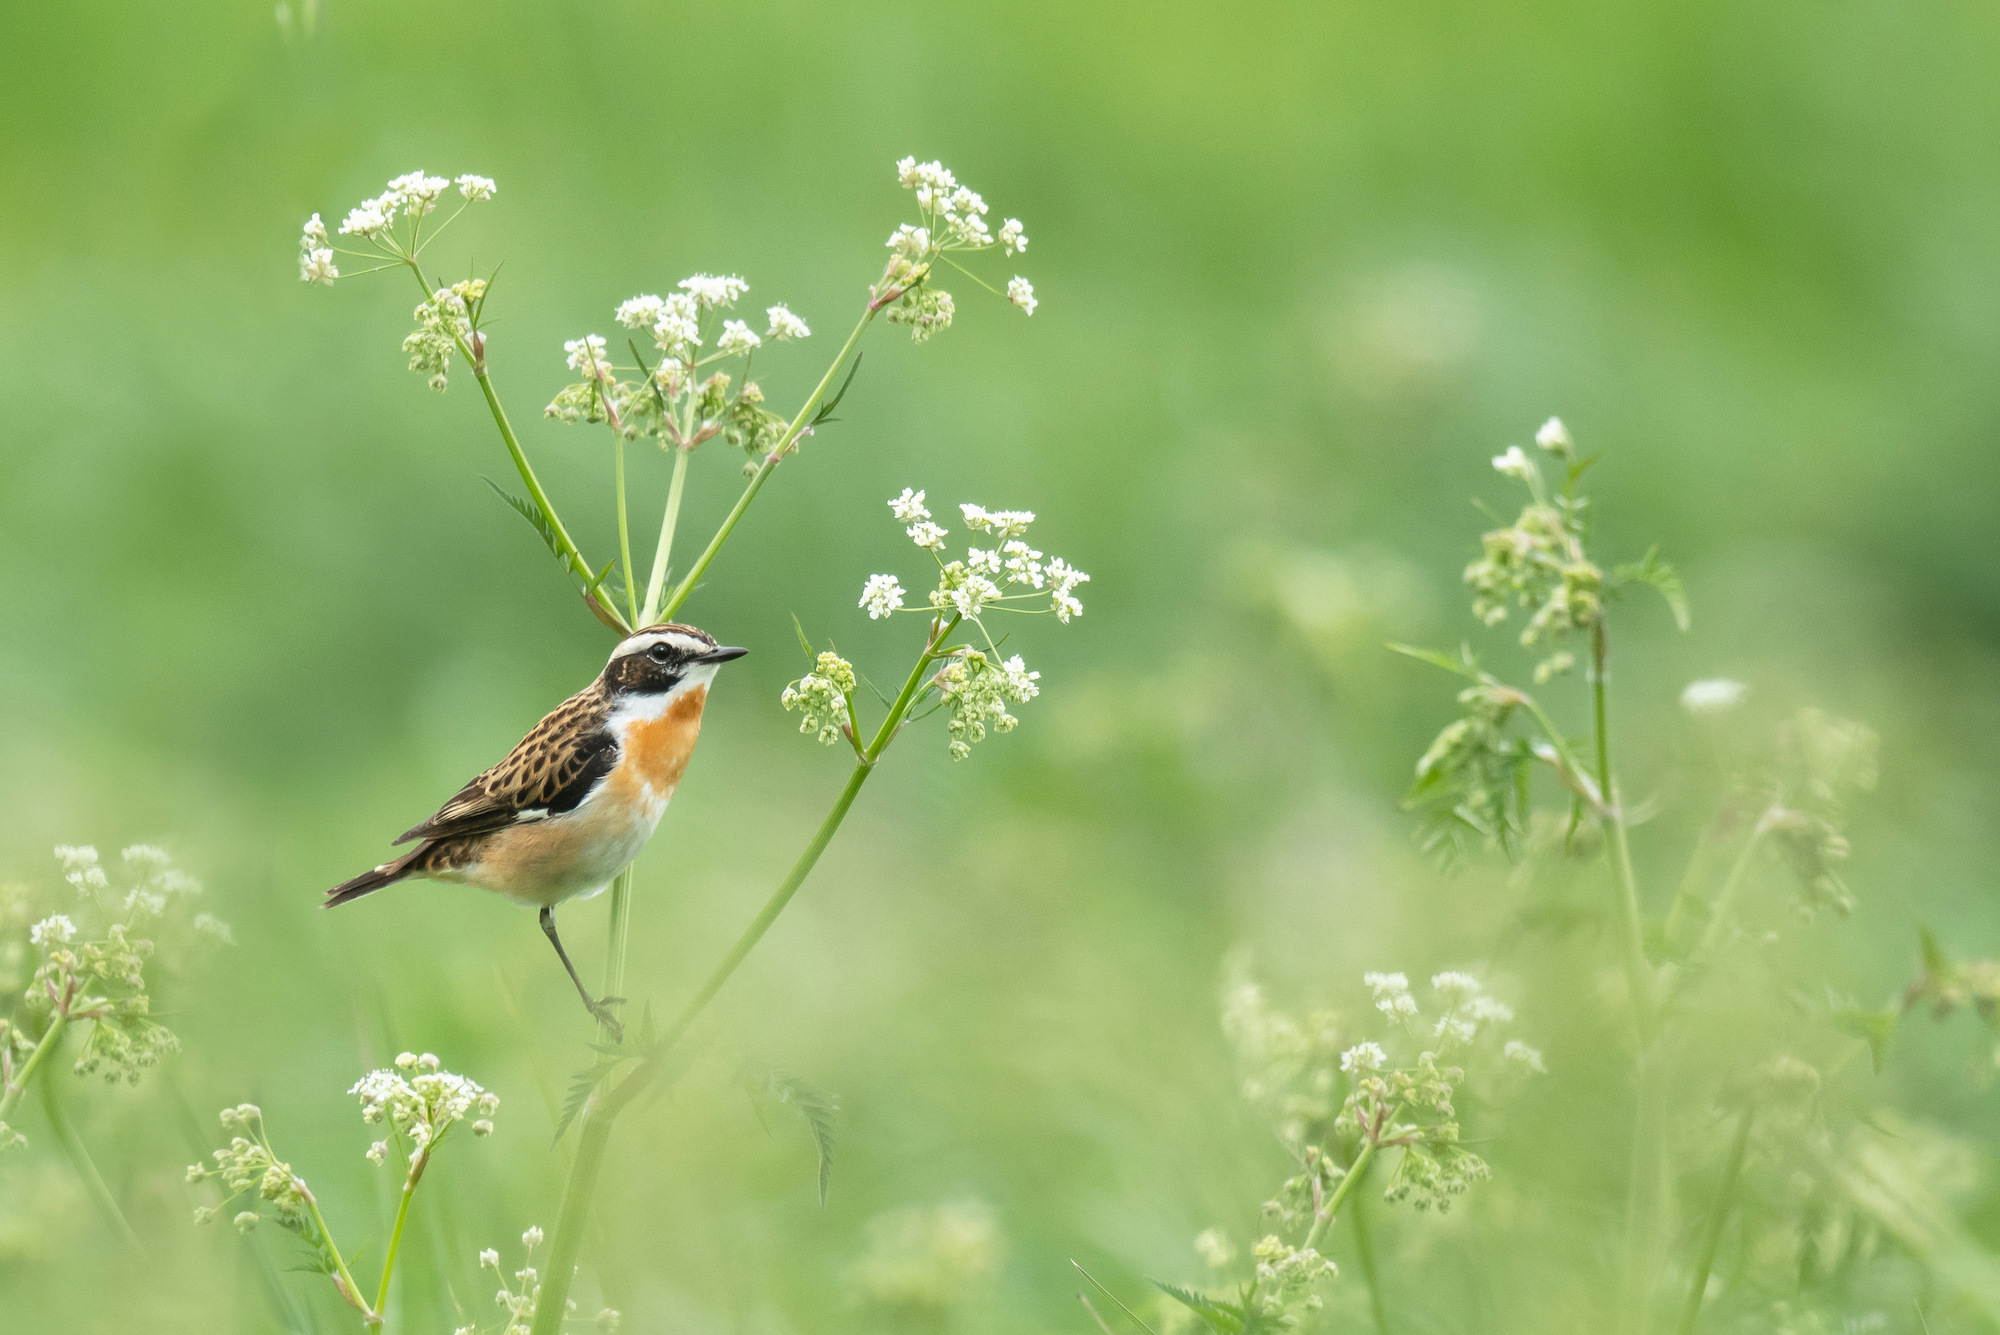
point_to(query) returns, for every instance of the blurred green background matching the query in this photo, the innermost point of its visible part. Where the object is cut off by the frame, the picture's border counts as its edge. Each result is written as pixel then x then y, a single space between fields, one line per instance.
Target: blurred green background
pixel 1303 269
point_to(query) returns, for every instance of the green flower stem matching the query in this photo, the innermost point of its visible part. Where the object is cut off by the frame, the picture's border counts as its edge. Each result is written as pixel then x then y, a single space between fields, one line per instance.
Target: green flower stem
pixel 578 566
pixel 1638 973
pixel 625 541
pixel 86 1168
pixel 11 1095
pixel 1725 900
pixel 1718 1215
pixel 1364 1249
pixel 396 1236
pixel 763 473
pixel 369 1316
pixel 1355 1172
pixel 603 1109
pixel 657 581
pixel 620 936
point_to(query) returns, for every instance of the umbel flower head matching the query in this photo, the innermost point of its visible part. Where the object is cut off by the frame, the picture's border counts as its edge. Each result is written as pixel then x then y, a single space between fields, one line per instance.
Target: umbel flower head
pixel 976 686
pixel 953 219
pixel 672 400
pixel 423 1102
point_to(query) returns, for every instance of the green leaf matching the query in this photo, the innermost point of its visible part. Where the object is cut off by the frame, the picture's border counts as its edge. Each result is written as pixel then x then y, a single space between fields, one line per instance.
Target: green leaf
pixel 804 643
pixel 1872 1027
pixel 825 413
pixel 1937 964
pixel 817 1106
pixel 1464 666
pixel 1223 1318
pixel 1661 576
pixel 538 521
pixel 582 1087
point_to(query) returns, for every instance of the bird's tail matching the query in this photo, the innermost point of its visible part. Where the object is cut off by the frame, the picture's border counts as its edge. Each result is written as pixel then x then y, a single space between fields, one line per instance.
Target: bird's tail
pixel 370 881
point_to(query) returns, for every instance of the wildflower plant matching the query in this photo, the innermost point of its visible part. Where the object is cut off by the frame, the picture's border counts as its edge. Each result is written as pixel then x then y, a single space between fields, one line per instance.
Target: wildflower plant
pixel 416 1100
pixel 685 376
pixel 1786 803
pixel 1347 1098
pixel 76 963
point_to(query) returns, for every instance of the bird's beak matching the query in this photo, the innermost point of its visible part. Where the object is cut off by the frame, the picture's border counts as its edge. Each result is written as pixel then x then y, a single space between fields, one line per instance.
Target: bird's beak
pixel 722 655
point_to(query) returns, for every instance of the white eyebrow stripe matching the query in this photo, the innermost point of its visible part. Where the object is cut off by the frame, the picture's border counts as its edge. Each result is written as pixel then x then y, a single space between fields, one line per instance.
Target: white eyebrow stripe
pixel 639 644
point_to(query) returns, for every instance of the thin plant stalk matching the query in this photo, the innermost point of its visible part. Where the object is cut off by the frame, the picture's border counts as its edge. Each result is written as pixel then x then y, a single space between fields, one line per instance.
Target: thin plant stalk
pixel 1718 1216
pixel 396 1235
pixel 625 540
pixel 86 1167
pixel 603 1108
pixel 656 582
pixel 1638 973
pixel 1725 900
pixel 11 1095
pixel 771 461
pixel 1364 1250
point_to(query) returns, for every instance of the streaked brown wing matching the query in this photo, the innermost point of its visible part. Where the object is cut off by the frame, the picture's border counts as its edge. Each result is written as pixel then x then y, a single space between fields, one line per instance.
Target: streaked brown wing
pixel 550 772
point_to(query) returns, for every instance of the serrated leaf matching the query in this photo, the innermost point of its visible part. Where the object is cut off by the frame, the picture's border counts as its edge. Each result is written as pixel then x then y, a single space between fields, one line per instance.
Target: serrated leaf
pixel 1872 1027
pixel 1661 576
pixel 1223 1318
pixel 536 520
pixel 582 1087
pixel 819 1107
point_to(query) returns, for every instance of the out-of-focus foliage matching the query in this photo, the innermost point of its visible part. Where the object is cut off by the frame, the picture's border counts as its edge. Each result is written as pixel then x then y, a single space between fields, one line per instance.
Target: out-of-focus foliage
pixel 1302 269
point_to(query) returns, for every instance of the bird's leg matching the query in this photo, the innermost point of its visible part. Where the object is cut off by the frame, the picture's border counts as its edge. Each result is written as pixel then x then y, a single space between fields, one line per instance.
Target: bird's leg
pixel 599 1010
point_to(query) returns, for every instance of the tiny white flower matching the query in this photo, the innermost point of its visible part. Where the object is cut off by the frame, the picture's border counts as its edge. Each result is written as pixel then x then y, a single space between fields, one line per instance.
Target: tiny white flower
pixel 1514 463
pixel 1490 1010
pixel 927 535
pixel 587 355
pixel 1000 523
pixel 210 925
pixel 1553 436
pixel 532 1238
pixel 56 930
pixel 1713 696
pixel 784 325
pixel 642 312
pixel 712 291
pixel 679 327
pixel 314 233
pixel 909 507
pixel 366 219
pixel 317 266
pixel 882 596
pixel 1456 987
pixel 1518 1051
pixel 1363 1057
pixel 1012 238
pixel 482 1127
pixel 1214 1248
pixel 477 188
pixel 1454 1030
pixel 909 241
pixel 378 1152
pixel 737 340
pixel 1022 293
pixel 489 1259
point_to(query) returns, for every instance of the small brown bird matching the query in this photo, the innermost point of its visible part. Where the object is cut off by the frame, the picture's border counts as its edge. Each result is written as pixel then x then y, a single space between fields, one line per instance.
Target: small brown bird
pixel 575 801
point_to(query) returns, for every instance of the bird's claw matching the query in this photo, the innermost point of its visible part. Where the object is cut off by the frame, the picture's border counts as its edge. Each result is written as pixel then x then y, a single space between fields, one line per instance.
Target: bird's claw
pixel 600 1010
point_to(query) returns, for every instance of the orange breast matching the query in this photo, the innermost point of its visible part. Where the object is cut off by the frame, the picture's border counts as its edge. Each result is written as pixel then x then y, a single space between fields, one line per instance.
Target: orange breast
pixel 656 751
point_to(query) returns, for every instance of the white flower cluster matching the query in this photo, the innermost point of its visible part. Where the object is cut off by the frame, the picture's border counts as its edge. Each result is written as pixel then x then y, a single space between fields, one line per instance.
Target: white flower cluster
pixel 987 578
pixel 954 219
pixel 1392 994
pixel 1715 696
pixel 821 696
pixel 423 1102
pixel 675 320
pixel 1467 1006
pixel 54 930
pixel 316 254
pixel 81 868
pixel 413 195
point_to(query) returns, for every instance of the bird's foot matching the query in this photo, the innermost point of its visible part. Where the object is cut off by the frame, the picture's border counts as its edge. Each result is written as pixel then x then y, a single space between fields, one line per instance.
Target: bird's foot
pixel 600 1010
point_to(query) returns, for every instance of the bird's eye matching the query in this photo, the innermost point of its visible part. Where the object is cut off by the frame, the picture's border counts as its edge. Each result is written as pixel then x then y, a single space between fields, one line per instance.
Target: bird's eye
pixel 659 653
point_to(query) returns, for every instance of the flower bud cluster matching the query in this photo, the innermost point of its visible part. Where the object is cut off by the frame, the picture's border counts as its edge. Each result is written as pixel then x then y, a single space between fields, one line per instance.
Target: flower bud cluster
pixel 821 697
pixel 444 319
pixel 977 691
pixel 248 1165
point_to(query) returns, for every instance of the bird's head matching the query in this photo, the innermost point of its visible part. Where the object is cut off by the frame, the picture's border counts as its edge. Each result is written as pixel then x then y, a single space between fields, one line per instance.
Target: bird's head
pixel 665 659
